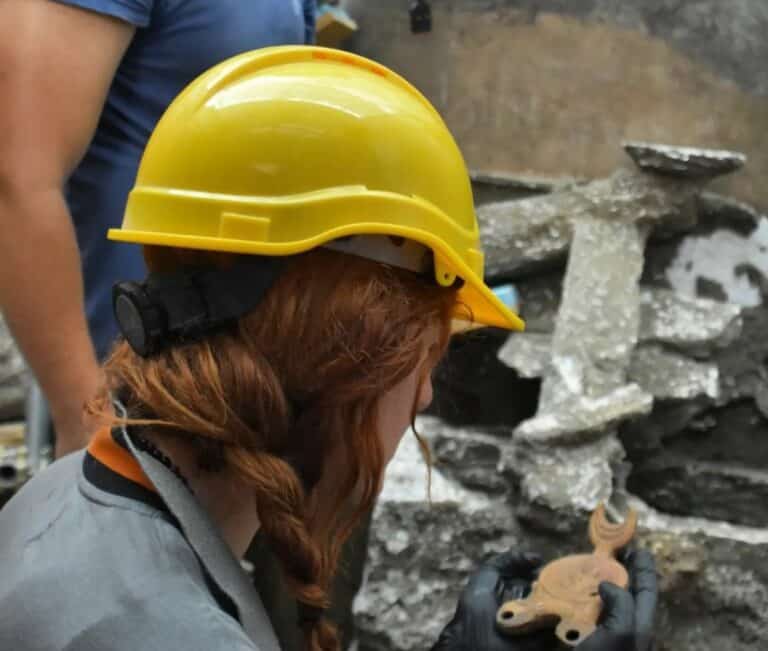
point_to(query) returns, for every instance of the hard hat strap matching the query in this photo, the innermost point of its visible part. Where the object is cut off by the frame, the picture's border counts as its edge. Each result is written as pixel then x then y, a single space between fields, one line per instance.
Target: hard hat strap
pixel 184 305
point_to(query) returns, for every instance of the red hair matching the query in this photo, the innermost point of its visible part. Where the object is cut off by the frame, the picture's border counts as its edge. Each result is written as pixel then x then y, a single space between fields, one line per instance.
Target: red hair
pixel 298 378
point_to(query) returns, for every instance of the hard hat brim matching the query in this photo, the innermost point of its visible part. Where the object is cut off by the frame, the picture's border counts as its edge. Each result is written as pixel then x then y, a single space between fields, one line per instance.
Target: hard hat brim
pixel 477 305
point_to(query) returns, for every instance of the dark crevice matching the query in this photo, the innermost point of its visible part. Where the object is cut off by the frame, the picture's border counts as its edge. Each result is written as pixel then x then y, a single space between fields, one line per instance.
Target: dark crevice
pixel 473 387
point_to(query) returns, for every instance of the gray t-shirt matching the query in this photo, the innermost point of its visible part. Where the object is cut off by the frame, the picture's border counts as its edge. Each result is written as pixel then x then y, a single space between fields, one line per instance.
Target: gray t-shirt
pixel 90 561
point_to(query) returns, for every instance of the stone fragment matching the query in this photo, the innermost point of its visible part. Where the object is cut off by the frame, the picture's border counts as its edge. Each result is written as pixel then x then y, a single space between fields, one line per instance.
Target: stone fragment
pixel 599 315
pixel 532 184
pixel 468 455
pixel 406 480
pixel 527 235
pixel 743 368
pixel 598 312
pixel 584 418
pixel 664 374
pixel 716 491
pixel 577 477
pixel 694 325
pixel 685 162
pixel 419 560
pixel 670 376
pixel 473 461
pixel 529 354
pixel 718 211
pixel 586 392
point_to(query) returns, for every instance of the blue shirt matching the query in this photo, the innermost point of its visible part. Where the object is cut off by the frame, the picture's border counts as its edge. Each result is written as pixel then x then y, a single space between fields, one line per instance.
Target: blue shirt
pixel 176 41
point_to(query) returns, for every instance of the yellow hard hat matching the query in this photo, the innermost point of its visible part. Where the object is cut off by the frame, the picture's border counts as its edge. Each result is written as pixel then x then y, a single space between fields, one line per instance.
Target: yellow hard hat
pixel 280 150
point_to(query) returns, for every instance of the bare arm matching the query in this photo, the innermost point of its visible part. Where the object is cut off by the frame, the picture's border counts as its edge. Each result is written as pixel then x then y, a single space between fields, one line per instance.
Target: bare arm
pixel 56 65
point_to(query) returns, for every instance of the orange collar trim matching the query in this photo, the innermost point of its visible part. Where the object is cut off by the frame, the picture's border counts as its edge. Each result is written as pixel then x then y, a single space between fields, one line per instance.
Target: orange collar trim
pixel 115 457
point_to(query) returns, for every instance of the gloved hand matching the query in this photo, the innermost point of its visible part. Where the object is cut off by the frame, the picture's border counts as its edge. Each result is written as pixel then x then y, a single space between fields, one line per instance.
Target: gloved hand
pixel 627 618
pixel 473 627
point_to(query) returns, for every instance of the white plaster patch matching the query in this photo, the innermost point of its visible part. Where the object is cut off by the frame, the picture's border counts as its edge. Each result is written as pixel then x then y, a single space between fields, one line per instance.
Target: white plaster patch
pixel 716 258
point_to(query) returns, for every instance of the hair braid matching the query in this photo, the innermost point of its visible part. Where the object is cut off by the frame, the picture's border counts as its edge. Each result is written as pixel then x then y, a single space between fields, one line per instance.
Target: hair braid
pixel 287 393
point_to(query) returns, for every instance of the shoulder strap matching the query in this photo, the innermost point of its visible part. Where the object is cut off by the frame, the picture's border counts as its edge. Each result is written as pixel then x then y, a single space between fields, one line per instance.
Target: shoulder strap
pixel 203 536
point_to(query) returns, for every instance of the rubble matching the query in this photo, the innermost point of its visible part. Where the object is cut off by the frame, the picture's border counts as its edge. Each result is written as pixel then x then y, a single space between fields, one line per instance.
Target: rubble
pixel 716 491
pixel 716 210
pixel 583 418
pixel 529 235
pixel 522 236
pixel 13 376
pixel 694 325
pixel 518 182
pixel 575 478
pixel 670 376
pixel 713 575
pixel 529 354
pixel 685 162
pixel 473 460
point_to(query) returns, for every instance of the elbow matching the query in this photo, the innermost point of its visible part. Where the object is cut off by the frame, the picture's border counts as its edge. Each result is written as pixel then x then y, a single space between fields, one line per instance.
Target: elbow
pixel 24 195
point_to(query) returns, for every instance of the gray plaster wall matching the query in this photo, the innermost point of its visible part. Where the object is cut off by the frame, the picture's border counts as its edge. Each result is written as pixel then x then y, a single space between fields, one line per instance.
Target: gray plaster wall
pixel 549 87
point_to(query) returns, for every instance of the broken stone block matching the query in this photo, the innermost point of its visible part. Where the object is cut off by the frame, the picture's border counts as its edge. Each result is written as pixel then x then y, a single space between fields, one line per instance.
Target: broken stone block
pixel 717 491
pixel 684 162
pixel 733 434
pixel 406 479
pixel 718 211
pixel 598 320
pixel 467 455
pixel 694 325
pixel 585 418
pixel 529 354
pixel 662 373
pixel 528 235
pixel 577 477
pixel 521 236
pixel 584 393
pixel 647 436
pixel 743 368
pixel 520 182
pixel 471 460
pixel 670 376
pixel 598 314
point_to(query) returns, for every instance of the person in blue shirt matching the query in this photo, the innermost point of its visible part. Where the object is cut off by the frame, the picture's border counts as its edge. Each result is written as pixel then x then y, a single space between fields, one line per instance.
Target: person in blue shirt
pixel 83 84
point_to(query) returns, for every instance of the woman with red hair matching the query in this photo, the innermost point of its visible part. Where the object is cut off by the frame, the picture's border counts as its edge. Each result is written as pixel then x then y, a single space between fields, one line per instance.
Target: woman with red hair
pixel 308 225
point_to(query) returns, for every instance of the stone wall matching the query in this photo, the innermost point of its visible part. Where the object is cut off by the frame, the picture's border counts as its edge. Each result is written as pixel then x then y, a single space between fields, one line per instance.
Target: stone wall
pixel 666 409
pixel 683 438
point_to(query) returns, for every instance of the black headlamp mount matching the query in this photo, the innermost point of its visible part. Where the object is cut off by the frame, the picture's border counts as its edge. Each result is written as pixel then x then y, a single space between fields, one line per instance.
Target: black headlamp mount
pixel 184 305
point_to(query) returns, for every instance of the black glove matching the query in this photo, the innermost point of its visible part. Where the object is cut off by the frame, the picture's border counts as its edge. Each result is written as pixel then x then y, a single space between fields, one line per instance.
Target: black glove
pixel 627 618
pixel 473 627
